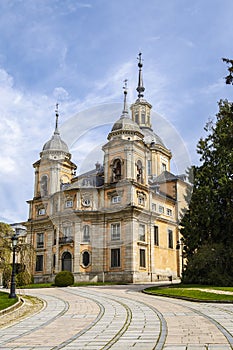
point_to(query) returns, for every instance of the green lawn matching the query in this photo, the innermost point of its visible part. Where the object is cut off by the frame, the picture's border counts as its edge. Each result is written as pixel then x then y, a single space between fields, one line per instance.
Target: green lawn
pixel 78 284
pixel 193 292
pixel 5 301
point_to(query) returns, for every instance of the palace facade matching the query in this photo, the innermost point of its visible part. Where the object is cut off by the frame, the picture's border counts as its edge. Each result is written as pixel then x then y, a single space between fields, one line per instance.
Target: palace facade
pixel 117 222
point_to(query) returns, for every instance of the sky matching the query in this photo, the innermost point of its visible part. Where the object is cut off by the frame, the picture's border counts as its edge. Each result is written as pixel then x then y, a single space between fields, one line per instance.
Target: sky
pixel 78 53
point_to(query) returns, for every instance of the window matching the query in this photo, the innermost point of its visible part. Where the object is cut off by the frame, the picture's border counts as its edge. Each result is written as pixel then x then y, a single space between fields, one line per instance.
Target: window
pixel 55 237
pixel 142 261
pixel 141 235
pixel 86 202
pixel 44 185
pixel 136 118
pixel 54 261
pixel 153 207
pixel 143 116
pixel 115 232
pixel 86 259
pixel 86 233
pixel 67 231
pixel 141 200
pixel 149 167
pixel 164 167
pixel 115 257
pixel 40 240
pixel 69 204
pixel 169 212
pixel 161 209
pixel 117 170
pixel 156 235
pixel 116 199
pixel 39 262
pixel 170 239
pixel 41 211
pixel 139 171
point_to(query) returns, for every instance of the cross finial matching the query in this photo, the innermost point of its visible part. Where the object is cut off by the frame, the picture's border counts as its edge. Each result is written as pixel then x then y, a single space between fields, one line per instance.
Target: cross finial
pixel 125 111
pixel 125 87
pixel 57 115
pixel 140 89
pixel 140 59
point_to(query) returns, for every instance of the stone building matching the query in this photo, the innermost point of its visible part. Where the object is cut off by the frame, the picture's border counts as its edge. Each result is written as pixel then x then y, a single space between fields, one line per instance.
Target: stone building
pixel 117 222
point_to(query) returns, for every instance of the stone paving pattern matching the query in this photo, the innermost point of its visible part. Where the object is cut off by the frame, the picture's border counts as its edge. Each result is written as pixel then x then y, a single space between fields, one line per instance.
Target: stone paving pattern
pixel 118 318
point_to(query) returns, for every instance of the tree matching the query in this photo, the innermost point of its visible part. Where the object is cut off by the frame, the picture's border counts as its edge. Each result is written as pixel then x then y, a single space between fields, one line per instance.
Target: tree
pixel 207 225
pixel 25 253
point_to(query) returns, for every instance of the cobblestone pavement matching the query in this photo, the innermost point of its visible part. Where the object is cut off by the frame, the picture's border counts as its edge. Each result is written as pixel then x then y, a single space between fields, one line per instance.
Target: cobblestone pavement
pixel 118 317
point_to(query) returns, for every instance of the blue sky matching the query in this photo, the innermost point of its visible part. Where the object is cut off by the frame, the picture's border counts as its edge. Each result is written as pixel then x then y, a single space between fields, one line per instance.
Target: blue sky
pixel 78 53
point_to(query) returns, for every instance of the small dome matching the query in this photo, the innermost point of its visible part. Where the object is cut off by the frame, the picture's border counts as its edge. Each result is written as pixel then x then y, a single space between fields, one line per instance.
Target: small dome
pixel 150 137
pixel 126 124
pixel 56 144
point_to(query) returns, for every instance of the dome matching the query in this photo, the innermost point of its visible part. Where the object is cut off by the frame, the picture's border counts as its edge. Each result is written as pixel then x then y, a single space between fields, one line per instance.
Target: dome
pixel 126 124
pixel 151 137
pixel 56 144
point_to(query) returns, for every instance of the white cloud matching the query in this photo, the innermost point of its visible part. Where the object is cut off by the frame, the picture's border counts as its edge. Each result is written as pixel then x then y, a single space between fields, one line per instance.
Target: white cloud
pixel 60 94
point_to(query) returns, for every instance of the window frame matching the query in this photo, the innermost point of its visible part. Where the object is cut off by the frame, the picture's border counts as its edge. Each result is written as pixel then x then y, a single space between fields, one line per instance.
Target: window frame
pixel 40 240
pixel 41 211
pixel 69 203
pixel 39 263
pixel 142 235
pixel 161 209
pixel 115 258
pixel 89 259
pixel 142 258
pixel 86 235
pixel 116 199
pixel 156 235
pixel 170 239
pixel 115 231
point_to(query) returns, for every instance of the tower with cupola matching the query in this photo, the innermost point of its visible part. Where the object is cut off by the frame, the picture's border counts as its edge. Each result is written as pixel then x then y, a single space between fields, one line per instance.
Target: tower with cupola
pixel 53 170
pixel 158 156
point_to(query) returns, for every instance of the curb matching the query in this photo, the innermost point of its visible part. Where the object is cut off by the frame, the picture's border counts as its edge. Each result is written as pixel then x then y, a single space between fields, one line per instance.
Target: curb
pixel 11 308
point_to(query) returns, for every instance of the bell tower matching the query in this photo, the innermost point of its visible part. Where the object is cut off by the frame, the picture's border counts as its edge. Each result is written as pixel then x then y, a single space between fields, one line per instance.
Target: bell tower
pixel 54 168
pixel 124 148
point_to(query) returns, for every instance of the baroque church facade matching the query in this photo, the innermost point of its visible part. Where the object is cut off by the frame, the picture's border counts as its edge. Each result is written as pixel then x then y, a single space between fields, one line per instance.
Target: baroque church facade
pixel 117 222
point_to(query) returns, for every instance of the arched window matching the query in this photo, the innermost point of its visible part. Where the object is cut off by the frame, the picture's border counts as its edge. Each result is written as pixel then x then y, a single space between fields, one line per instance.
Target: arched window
pixel 66 261
pixel 86 233
pixel 117 170
pixel 44 185
pixel 139 171
pixel 86 259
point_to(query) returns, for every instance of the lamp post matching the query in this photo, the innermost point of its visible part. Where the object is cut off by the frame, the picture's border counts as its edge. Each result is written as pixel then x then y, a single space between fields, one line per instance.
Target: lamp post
pixel 14 240
pixel 19 229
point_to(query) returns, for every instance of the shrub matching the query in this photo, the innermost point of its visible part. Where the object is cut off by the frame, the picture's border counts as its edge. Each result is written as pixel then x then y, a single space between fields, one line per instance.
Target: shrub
pixel 64 279
pixel 7 276
pixel 23 278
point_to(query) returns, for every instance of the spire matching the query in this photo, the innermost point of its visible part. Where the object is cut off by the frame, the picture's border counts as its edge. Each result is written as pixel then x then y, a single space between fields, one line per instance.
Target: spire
pixel 125 110
pixel 140 89
pixel 56 132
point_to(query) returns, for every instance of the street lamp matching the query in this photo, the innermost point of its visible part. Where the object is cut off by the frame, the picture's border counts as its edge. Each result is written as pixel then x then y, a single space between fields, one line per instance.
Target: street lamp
pixel 19 229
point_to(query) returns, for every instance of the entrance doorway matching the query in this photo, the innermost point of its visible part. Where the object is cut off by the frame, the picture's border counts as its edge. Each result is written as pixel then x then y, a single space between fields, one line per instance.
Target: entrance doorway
pixel 66 261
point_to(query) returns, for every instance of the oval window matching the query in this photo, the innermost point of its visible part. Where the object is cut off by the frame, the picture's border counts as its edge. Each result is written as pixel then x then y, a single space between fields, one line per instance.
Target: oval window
pixel 86 259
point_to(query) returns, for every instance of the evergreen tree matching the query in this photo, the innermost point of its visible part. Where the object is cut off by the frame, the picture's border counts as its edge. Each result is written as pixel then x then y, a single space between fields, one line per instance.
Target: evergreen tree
pixel 207 226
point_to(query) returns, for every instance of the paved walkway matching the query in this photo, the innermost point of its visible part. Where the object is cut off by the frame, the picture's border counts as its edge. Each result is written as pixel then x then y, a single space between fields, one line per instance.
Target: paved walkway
pixel 119 318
